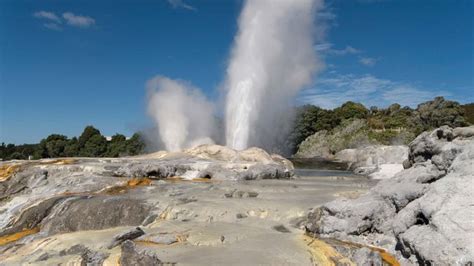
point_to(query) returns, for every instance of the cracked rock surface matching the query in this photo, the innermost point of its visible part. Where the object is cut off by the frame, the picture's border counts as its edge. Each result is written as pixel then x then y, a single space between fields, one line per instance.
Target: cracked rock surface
pixel 424 214
pixel 207 205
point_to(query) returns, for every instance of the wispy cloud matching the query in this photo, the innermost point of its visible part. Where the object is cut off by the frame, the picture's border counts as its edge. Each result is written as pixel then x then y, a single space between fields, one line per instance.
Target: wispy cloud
pixel 330 92
pixel 368 61
pixel 53 26
pixel 181 4
pixel 47 15
pixel 55 21
pixel 78 20
pixel 326 48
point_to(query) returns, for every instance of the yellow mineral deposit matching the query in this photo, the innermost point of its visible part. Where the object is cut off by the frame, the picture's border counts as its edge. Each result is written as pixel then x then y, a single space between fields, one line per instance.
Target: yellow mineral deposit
pixel 324 254
pixel 7 170
pixel 387 258
pixel 132 183
pixel 16 236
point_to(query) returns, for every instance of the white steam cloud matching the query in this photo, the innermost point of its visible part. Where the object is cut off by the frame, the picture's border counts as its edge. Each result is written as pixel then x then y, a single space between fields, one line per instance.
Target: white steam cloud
pixel 183 115
pixel 272 59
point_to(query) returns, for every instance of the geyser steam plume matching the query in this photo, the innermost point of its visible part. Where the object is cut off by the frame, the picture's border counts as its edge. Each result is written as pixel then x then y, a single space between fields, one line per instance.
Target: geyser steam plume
pixel 183 115
pixel 272 59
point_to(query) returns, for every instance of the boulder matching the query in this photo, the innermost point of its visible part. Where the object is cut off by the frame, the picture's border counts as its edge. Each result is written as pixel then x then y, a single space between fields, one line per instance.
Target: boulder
pixel 429 204
pixel 376 161
pixel 135 256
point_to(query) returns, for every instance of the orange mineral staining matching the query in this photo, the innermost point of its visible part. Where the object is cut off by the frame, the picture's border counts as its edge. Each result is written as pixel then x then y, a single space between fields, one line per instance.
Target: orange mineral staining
pixel 7 170
pixel 16 236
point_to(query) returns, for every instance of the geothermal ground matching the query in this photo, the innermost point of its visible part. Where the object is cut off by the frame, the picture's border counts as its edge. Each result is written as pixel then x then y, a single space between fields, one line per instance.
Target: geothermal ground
pixel 141 211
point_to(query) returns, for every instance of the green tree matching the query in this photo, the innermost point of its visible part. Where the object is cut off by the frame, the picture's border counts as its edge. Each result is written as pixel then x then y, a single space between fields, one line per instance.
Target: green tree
pixel 309 120
pixel 135 145
pixel 72 148
pixel 96 146
pixel 469 112
pixel 89 132
pixel 439 112
pixel 52 146
pixel 351 110
pixel 117 146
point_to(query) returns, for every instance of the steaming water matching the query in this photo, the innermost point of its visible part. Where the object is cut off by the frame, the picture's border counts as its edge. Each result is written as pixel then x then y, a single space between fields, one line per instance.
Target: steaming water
pixel 183 115
pixel 272 59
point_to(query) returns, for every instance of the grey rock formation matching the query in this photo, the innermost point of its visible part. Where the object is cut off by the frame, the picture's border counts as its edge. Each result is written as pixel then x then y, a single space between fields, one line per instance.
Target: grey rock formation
pixel 129 235
pixel 428 205
pixel 134 256
pixel 376 161
pixel 95 213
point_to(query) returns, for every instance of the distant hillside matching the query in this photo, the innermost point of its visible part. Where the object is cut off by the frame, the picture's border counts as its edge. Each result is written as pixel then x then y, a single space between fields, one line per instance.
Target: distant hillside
pixel 469 112
pixel 325 132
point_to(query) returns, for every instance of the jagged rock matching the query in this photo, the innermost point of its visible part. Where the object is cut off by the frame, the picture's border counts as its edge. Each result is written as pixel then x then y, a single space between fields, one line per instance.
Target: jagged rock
pixel 129 235
pixel 366 256
pixel 93 258
pixel 133 256
pixel 89 257
pixel 429 204
pixel 376 161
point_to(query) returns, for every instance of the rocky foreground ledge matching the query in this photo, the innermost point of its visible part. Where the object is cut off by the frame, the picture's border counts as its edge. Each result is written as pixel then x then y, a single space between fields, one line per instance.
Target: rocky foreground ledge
pixel 87 210
pixel 424 214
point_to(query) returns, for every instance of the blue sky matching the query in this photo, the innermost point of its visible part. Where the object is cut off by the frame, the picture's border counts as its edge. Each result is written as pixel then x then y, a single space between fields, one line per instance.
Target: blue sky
pixel 68 64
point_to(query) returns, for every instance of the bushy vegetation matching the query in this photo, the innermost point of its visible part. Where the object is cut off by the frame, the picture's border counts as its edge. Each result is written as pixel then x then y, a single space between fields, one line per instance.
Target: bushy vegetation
pixel 391 125
pixel 90 143
pixel 469 112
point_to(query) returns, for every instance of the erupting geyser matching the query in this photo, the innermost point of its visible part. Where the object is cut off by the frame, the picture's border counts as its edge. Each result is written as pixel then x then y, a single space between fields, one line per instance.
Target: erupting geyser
pixel 272 59
pixel 183 115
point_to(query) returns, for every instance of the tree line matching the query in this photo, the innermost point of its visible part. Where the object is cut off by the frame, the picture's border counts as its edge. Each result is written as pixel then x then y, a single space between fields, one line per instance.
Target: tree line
pixel 383 124
pixel 91 143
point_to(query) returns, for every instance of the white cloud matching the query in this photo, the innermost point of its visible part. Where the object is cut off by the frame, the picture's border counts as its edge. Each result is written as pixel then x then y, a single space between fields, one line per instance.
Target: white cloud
pixel 78 20
pixel 323 47
pixel 348 50
pixel 53 26
pixel 47 15
pixel 332 91
pixel 368 61
pixel 181 4
pixel 327 48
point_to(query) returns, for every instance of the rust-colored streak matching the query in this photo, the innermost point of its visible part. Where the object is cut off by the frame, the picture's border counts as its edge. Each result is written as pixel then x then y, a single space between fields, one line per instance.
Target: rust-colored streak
pixel 58 161
pixel 324 254
pixel 386 256
pixel 132 183
pixel 16 236
pixel 7 170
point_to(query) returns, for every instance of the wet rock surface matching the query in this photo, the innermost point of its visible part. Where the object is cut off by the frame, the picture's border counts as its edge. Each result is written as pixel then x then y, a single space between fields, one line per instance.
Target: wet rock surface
pixel 423 214
pixel 206 206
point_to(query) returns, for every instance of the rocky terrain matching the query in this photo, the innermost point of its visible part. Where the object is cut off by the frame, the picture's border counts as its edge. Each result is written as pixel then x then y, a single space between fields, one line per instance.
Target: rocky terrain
pixel 424 214
pixel 349 144
pixel 207 205
pixel 375 161
pixel 215 205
